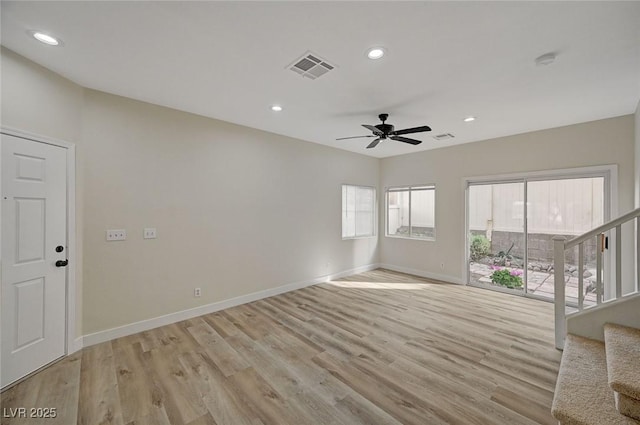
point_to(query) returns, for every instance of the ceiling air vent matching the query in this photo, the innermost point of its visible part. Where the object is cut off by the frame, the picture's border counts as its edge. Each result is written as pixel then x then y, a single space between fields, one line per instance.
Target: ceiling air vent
pixel 443 136
pixel 311 66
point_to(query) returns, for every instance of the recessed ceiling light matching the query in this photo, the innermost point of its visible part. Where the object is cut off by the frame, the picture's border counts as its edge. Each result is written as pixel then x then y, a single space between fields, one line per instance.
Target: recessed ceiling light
pixel 469 119
pixel 546 59
pixel 276 108
pixel 375 53
pixel 45 38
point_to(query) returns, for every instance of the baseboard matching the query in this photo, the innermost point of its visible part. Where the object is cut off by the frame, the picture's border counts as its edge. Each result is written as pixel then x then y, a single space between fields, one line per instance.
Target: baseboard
pixel 76 345
pixel 167 319
pixel 422 273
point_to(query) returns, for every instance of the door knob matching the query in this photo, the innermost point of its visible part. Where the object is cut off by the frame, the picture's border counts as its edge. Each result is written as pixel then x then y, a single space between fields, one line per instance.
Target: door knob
pixel 62 263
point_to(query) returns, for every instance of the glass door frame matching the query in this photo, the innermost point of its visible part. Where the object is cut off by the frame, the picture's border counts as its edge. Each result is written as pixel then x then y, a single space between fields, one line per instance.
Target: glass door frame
pixel 610 199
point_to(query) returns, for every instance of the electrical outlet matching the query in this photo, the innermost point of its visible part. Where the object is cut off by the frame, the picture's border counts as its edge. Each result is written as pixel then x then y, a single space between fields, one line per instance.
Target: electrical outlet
pixel 149 233
pixel 197 292
pixel 116 235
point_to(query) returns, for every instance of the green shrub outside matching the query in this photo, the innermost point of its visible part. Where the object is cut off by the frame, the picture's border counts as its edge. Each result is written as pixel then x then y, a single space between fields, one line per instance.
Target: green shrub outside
pixel 508 278
pixel 479 247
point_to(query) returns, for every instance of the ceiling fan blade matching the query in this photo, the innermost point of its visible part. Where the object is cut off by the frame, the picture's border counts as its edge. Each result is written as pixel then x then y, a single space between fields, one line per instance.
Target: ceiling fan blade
pixel 374 143
pixel 411 130
pixel 372 128
pixel 406 140
pixel 355 137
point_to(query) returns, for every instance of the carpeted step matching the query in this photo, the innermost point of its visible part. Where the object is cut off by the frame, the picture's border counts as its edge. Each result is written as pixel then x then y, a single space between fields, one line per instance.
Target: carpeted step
pixel 583 395
pixel 623 364
pixel 627 406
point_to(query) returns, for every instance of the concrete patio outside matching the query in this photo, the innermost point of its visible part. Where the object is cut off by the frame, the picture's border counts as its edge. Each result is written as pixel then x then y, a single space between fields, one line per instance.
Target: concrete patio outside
pixel 538 282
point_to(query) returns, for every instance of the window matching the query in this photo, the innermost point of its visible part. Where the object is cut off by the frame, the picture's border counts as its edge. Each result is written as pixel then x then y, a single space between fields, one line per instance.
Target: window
pixel 358 211
pixel 411 212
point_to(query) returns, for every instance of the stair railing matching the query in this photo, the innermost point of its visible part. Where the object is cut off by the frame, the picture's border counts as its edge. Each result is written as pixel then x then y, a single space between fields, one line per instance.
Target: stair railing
pixel 561 244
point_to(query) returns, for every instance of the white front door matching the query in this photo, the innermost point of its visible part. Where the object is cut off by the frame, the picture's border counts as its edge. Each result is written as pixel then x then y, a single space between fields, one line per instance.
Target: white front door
pixel 34 250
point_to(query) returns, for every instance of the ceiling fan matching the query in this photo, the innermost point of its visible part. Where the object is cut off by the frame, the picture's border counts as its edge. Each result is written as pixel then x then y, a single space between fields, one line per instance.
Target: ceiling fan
pixel 385 131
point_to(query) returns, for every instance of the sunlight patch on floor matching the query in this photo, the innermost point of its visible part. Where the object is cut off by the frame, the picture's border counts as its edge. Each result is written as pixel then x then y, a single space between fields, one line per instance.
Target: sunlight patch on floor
pixel 379 285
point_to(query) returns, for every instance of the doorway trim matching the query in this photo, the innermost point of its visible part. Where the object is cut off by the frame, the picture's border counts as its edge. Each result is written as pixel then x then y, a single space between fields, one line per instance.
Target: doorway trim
pixel 72 343
pixel 609 171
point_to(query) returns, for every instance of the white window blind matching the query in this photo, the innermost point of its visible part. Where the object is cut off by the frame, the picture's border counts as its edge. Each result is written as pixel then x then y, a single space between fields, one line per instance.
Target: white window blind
pixel 358 211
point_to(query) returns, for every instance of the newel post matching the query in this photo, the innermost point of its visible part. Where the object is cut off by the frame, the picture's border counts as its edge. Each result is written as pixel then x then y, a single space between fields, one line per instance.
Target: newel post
pixel 558 289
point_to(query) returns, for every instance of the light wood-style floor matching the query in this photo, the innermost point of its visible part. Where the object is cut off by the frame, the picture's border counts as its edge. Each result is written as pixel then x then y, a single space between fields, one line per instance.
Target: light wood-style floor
pixel 375 348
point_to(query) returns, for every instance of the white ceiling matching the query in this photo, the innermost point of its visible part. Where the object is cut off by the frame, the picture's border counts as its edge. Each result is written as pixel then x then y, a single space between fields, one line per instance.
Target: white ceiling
pixel 445 61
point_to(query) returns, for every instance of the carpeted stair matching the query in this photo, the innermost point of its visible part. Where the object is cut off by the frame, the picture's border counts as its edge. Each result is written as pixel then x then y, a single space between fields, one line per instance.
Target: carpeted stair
pixel 583 395
pixel 623 365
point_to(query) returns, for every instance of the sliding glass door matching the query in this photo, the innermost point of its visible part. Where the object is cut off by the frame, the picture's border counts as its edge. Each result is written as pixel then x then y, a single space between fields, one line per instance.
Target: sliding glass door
pixel 567 207
pixel 510 226
pixel 497 235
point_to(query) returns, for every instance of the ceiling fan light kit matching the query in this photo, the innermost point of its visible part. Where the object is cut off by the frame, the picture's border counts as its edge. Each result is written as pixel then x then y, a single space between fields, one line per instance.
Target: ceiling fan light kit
pixel 387 131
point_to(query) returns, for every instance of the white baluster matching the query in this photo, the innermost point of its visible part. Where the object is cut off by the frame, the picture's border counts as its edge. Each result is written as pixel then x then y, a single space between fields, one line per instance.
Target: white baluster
pixel 558 289
pixel 618 260
pixel 599 249
pixel 580 276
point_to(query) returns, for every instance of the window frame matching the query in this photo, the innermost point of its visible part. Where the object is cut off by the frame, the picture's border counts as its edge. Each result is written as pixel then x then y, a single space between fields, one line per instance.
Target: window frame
pixel 410 189
pixel 374 215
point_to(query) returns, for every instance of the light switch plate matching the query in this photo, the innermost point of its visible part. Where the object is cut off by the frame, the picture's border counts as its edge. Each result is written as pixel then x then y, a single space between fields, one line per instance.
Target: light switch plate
pixel 116 235
pixel 149 233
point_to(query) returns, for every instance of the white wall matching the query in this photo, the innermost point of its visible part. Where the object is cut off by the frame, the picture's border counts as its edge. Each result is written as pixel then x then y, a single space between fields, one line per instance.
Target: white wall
pixel 609 141
pixel 215 192
pixel 38 101
pixel 35 99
